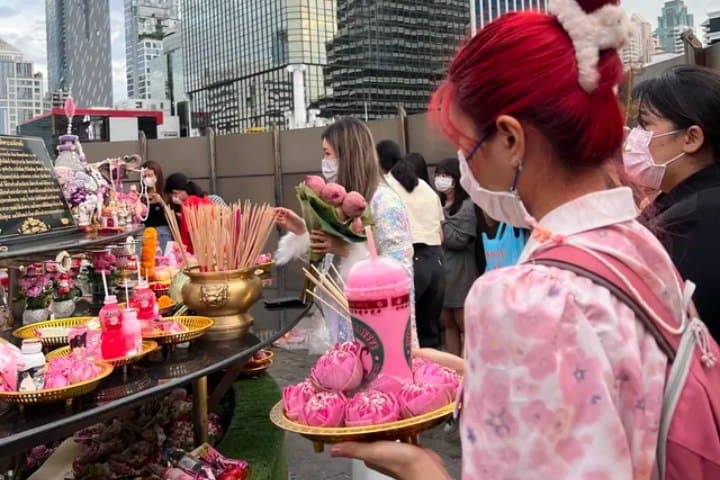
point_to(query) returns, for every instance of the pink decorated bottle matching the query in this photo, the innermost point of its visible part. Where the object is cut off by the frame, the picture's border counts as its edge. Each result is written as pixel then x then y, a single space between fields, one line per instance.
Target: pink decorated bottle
pixel 145 304
pixel 378 293
pixel 132 331
pixel 112 344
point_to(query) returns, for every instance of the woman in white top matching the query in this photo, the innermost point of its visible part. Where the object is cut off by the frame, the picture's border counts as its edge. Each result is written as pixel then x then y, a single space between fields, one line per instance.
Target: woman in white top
pixel 425 214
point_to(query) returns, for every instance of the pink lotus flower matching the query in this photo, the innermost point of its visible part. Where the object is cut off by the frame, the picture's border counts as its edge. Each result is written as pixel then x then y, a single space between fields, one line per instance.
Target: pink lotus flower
pixel 435 374
pixel 421 398
pixel 56 380
pixel 315 183
pixel 83 370
pixel 295 397
pixel 338 370
pixel 357 348
pixel 61 365
pixel 357 225
pixel 333 193
pixel 371 408
pixel 387 384
pixel 354 204
pixel 324 409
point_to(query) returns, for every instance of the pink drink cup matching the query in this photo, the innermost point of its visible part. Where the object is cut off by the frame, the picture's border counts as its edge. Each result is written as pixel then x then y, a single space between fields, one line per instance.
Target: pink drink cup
pixel 378 292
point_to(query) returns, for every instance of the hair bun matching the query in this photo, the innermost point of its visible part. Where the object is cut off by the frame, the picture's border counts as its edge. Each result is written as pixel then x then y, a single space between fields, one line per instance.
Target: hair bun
pixel 593 26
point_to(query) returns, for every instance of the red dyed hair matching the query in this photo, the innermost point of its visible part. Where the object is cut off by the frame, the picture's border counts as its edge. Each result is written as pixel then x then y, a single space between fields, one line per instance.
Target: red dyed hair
pixel 524 65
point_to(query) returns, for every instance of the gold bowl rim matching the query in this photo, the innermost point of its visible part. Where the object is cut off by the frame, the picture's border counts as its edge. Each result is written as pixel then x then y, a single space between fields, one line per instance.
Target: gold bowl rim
pixel 277 416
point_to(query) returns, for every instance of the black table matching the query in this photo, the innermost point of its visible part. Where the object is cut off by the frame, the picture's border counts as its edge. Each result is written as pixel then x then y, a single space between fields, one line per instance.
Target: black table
pixel 21 431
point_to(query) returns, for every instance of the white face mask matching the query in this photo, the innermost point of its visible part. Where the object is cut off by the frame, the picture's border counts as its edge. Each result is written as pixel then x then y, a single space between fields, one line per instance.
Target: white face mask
pixel 443 184
pixel 149 181
pixel 177 200
pixel 502 206
pixel 329 169
pixel 638 161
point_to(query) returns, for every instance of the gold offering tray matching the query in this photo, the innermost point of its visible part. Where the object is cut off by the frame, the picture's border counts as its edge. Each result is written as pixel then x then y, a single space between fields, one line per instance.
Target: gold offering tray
pixel 404 430
pixel 58 394
pixel 258 369
pixel 148 347
pixel 194 327
pixel 34 330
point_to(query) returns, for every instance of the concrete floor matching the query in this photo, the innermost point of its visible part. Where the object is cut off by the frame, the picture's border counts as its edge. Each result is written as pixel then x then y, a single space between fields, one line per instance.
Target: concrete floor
pixel 304 464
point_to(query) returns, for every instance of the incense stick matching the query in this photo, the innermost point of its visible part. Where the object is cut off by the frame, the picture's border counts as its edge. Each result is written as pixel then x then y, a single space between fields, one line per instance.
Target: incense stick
pixel 327 304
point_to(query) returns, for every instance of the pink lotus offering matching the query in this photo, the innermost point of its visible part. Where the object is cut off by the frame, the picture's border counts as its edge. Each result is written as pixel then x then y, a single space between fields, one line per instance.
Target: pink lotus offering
pixel 371 408
pixel 354 205
pixel 315 183
pixel 56 380
pixel 387 384
pixel 421 398
pixel 324 409
pixel 60 365
pixel 295 397
pixel 9 359
pixel 435 374
pixel 338 370
pixel 83 370
pixel 333 193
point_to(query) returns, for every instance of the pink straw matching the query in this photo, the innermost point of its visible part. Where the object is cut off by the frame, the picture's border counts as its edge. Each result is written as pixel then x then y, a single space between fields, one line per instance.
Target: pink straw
pixel 371 242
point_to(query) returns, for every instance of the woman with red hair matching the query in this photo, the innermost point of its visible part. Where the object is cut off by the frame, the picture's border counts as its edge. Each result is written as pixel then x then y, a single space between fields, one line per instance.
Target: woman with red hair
pixel 561 379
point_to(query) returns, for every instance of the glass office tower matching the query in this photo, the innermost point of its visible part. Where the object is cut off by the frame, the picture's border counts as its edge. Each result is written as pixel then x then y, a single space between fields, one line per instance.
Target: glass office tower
pixel 389 54
pixel 236 56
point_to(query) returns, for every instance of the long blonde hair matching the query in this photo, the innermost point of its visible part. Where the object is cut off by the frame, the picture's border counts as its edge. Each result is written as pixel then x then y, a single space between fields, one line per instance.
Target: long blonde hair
pixel 358 166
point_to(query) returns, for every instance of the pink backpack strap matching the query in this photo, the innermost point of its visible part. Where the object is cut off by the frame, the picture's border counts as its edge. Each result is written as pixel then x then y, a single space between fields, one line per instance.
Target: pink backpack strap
pixel 582 263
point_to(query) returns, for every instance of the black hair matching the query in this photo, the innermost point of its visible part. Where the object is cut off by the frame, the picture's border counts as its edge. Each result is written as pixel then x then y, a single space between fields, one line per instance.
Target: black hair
pixel 178 181
pixel 404 173
pixel 685 95
pixel 451 167
pixel 389 154
pixel 420 166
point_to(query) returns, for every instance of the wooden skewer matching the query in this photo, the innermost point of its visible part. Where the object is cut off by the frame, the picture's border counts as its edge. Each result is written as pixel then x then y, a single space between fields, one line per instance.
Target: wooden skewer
pixel 327 304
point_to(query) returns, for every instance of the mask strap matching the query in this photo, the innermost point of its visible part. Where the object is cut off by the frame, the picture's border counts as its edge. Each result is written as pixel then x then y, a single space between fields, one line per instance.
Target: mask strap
pixel 486 134
pixel 660 135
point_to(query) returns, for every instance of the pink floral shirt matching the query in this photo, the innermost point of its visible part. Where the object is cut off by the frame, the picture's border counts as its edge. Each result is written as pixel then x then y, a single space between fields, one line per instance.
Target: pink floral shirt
pixel 562 381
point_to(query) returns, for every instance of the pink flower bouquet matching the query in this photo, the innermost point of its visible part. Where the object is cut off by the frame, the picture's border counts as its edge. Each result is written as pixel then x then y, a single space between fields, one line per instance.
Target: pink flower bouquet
pixel 338 371
pixel 295 397
pixel 324 409
pixel 329 208
pixel 371 408
pixel 421 398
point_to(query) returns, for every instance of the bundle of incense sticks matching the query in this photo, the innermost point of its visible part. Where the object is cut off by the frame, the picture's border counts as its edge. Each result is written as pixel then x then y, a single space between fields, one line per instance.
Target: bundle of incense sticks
pixel 328 291
pixel 228 237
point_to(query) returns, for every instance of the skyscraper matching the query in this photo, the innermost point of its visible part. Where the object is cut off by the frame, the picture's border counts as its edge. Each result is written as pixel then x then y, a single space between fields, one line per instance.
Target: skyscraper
pixel 147 22
pixel 245 83
pixel 21 90
pixel 641 46
pixel 389 54
pixel 672 23
pixel 78 50
pixel 488 10
pixel 711 27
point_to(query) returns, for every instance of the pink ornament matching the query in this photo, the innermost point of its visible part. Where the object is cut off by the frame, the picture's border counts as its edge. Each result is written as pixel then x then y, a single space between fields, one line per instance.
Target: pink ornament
pixel 295 397
pixel 421 398
pixel 324 409
pixel 435 374
pixel 333 193
pixel 354 204
pixel 315 183
pixel 371 408
pixel 337 371
pixel 69 107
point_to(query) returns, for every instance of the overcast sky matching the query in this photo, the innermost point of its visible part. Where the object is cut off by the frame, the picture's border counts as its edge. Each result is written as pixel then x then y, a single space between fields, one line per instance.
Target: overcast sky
pixel 22 23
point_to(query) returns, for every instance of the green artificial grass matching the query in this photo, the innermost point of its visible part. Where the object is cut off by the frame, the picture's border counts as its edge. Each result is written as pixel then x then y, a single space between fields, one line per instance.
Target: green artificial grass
pixel 250 435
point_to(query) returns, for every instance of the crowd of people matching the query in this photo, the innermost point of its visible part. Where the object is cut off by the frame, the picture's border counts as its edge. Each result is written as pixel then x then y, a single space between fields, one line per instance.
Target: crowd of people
pixel 563 376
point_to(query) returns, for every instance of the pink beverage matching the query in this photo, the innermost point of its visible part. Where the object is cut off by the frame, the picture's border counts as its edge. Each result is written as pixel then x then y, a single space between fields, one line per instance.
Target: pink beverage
pixel 93 341
pixel 112 344
pixel 132 332
pixel 378 292
pixel 145 304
